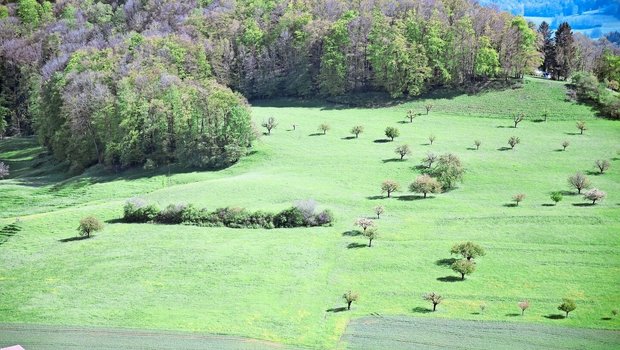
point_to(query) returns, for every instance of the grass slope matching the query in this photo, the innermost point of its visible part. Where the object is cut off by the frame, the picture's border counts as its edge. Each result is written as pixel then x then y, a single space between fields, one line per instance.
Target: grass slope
pixel 277 285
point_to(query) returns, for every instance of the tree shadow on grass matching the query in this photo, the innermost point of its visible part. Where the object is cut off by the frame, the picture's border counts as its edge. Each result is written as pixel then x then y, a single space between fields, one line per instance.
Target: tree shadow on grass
pixel 445 262
pixel 548 205
pixel 352 233
pixel 449 279
pixel 348 138
pixel 336 309
pixel 425 144
pixel 475 313
pixel 505 127
pixel 572 133
pixel 356 245
pixel 382 141
pixel 593 173
pixel 376 197
pixel 471 149
pixel 568 193
pixel 513 314
pixel 504 149
pixel 390 160
pixel 420 167
pixel 421 310
pixel 583 204
pixel 555 317
pixel 558 150
pixel 403 122
pixel 316 134
pixel 71 239
pixel 538 121
pixel 509 205
pixel 605 318
pixel 115 221
pixel 412 197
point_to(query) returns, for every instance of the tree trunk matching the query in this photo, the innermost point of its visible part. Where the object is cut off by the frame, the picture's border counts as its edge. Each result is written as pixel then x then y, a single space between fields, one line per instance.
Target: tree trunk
pixel 349 305
pixel 462 276
pixel 566 314
pixel 579 190
pixel 369 243
pixel 424 194
pixel 389 193
pixel 522 312
pixel 581 131
pixel 434 306
pixel 593 201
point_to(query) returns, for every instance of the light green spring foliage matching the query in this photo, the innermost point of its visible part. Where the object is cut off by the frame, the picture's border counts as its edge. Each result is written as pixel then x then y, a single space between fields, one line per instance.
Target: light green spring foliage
pixel 333 61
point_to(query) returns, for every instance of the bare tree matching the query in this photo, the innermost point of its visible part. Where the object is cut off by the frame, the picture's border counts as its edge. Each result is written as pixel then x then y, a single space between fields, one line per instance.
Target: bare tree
pixel 411 115
pixel 356 130
pixel 270 124
pixel 579 181
pixel 477 143
pixel 403 151
pixel 581 125
pixel 434 298
pixel 517 198
pixel 602 165
pixel 428 107
pixel 594 195
pixel 431 139
pixel 324 128
pixel 389 186
pixel 429 159
pixel 379 210
pixel 518 118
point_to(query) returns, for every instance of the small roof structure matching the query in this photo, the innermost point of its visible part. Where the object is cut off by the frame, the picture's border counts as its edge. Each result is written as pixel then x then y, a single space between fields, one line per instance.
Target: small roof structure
pixel 14 347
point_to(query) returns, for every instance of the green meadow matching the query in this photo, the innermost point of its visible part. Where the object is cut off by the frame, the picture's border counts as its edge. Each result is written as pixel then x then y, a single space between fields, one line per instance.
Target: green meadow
pixel 286 285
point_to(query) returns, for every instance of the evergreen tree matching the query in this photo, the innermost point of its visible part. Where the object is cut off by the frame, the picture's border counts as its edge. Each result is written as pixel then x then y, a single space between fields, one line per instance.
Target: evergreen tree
pixel 564 52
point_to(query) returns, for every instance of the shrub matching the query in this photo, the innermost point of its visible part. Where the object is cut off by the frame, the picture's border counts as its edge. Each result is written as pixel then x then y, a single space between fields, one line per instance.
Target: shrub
pixel 467 250
pixel 307 208
pixel 425 184
pixel 270 124
pixel 172 214
pixel 389 186
pixel 579 181
pixel 581 125
pixel 523 305
pixel 602 165
pixel 149 165
pixel 477 143
pixel 403 151
pixel 350 297
pixel 324 128
pixel 291 217
pixel 356 130
pixel 594 195
pixel 325 218
pixel 195 216
pixel 139 211
pixel 89 225
pixel 379 210
pixel 513 141
pixel 4 170
pixel 434 298
pixel 464 267
pixel 391 132
pixel 556 197
pixel 567 306
pixel 517 198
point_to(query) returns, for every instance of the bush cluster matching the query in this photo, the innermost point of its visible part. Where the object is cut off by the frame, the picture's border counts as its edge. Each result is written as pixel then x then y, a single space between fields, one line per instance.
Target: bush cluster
pixel 302 214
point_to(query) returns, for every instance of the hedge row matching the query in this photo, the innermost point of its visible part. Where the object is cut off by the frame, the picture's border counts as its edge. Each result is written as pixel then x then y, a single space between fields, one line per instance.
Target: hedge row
pixel 300 215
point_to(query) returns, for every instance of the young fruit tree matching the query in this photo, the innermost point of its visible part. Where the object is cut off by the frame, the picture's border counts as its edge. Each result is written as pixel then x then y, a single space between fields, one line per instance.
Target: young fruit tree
pixel 579 182
pixel 477 143
pixel 4 170
pixel 594 195
pixel 431 139
pixel 517 198
pixel 364 223
pixel 389 186
pixel 411 115
pixel 513 141
pixel 391 132
pixel 350 297
pixel 371 234
pixel 270 124
pixel 518 118
pixel 468 250
pixel 556 197
pixel 523 305
pixel 429 160
pixel 428 107
pixel 324 128
pixel 425 184
pixel 565 144
pixel 581 125
pixel 434 298
pixel 357 130
pixel 464 267
pixel 567 306
pixel 379 210
pixel 89 225
pixel 449 170
pixel 403 151
pixel 602 165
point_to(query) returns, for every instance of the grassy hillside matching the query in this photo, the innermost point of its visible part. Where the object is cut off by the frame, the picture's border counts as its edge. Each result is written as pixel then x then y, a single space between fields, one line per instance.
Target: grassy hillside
pixel 284 285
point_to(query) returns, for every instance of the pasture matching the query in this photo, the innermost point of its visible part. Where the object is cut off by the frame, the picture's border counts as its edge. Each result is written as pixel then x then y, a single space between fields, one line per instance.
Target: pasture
pixel 286 285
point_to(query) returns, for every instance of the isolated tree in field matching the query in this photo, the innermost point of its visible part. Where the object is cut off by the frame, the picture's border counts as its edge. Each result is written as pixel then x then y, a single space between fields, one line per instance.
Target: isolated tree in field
pixel 467 250
pixel 513 141
pixel 523 305
pixel 425 184
pixel 431 139
pixel 364 223
pixel 403 151
pixel 565 144
pixel 482 307
pixel 428 107
pixel 357 130
pixel 270 124
pixel 594 195
pixel 389 186
pixel 411 114
pixel 518 118
pixel 556 197
pixel 89 225
pixel 464 267
pixel 477 143
pixel 371 234
pixel 350 297
pixel 581 125
pixel 4 170
pixel 602 165
pixel 517 198
pixel 449 170
pixel 567 306
pixel 391 132
pixel 379 210
pixel 579 181
pixel 324 128
pixel 434 298
pixel 429 160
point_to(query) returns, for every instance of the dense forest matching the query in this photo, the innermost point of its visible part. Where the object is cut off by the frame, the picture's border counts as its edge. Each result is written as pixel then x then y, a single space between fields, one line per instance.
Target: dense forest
pixel 126 83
